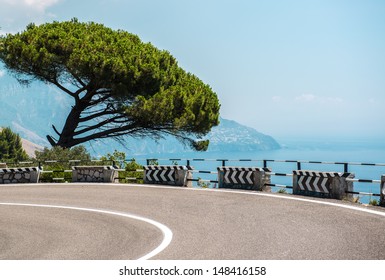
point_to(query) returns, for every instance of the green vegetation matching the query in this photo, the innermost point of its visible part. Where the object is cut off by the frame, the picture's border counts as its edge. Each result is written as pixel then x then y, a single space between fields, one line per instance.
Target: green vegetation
pixel 59 160
pixel 118 158
pixel 132 173
pixel 120 85
pixel 282 191
pixel 153 162
pixel 373 202
pixel 11 149
pixel 65 155
pixel 203 184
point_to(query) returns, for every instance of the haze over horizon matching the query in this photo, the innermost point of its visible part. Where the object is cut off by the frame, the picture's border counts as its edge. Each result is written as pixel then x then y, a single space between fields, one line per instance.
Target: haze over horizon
pixel 290 69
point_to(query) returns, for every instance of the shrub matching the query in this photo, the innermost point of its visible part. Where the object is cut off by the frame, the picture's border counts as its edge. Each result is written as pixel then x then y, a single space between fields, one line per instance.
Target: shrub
pixel 203 184
pixel 11 148
pixel 62 158
pixel 118 158
pixel 63 155
pixel 373 202
pixel 131 172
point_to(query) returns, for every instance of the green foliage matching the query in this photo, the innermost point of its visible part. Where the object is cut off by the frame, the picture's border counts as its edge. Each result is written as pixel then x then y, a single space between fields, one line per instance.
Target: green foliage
pixel 373 202
pixel 203 184
pixel 282 191
pixel 131 172
pixel 130 175
pixel 11 149
pixel 120 85
pixel 62 158
pixel 133 165
pixel 153 162
pixel 200 145
pixel 63 155
pixel 117 157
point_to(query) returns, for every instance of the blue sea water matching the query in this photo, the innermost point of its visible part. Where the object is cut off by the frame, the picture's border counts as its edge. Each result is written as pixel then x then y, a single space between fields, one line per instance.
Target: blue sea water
pixel 365 151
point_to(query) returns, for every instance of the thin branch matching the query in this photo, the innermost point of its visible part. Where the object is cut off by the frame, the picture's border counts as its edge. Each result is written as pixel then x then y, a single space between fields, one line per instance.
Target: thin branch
pixel 57 132
pixel 96 126
pixel 100 100
pixel 88 112
pixel 51 140
pixel 96 115
pixel 103 91
pixel 56 83
pixel 107 133
pixel 76 78
pixel 80 90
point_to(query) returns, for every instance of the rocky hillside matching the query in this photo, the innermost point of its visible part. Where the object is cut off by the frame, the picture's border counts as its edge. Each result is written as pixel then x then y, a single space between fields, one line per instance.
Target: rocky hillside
pixel 29 147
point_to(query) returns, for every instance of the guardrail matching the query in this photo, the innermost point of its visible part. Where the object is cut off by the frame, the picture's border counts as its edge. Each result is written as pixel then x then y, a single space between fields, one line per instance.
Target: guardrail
pixel 206 173
pixel 344 167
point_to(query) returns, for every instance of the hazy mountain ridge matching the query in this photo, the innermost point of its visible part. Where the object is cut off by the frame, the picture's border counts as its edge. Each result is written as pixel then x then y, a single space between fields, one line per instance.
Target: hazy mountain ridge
pixel 240 138
pixel 31 111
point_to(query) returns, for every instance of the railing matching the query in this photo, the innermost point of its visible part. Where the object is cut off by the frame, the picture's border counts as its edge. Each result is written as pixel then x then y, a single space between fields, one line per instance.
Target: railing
pixel 295 165
pixel 207 169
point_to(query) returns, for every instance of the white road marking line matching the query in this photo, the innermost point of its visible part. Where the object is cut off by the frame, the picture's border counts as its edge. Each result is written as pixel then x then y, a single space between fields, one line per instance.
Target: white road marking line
pixel 351 207
pixel 167 233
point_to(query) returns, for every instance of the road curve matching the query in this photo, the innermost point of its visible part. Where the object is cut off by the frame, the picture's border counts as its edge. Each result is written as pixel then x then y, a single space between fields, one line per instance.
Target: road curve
pixel 205 224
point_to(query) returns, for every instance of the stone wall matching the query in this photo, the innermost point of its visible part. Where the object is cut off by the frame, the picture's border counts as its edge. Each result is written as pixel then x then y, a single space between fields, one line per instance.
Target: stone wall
pixel 106 174
pixel 19 175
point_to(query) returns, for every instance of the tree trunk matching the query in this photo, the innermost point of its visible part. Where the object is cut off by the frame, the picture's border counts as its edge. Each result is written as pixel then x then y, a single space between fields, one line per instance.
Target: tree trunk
pixel 66 138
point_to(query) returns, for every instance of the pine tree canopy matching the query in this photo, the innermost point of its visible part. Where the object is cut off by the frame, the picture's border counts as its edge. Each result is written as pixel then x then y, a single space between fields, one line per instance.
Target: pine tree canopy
pixel 120 85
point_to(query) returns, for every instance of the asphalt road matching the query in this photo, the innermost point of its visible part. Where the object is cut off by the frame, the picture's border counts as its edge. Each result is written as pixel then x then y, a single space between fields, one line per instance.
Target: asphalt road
pixel 205 224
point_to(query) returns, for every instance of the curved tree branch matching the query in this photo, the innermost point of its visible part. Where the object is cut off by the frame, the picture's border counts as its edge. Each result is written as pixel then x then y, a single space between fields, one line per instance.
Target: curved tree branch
pixel 57 132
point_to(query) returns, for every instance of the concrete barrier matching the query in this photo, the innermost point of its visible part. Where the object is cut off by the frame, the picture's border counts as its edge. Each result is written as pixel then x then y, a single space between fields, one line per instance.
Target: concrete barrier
pixel 175 175
pixel 247 178
pixel 323 184
pixel 19 175
pixel 101 174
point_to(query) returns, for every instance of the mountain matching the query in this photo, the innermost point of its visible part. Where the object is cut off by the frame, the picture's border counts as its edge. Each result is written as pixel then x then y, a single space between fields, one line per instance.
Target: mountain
pixel 232 136
pixel 228 136
pixel 31 111
pixel 30 147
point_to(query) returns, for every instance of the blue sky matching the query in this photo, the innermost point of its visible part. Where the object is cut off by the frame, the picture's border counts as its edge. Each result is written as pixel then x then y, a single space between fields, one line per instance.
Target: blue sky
pixel 298 69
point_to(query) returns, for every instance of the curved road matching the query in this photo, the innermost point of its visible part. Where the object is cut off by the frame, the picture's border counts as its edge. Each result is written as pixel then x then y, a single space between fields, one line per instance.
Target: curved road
pixel 205 224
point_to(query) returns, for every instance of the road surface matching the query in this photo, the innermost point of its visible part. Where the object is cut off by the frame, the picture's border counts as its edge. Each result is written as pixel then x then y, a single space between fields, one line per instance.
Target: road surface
pixel 108 221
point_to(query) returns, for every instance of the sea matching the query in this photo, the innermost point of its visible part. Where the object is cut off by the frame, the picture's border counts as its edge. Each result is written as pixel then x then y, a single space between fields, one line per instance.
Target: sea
pixel 332 153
